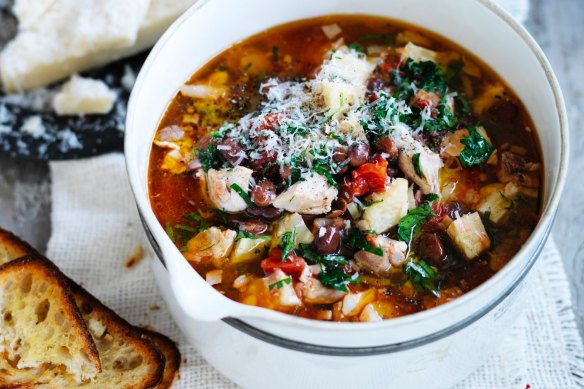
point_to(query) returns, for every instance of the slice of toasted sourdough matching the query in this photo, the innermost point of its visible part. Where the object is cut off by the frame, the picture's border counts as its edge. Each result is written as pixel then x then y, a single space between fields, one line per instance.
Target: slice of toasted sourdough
pixel 41 328
pixel 171 358
pixel 129 359
pixel 12 247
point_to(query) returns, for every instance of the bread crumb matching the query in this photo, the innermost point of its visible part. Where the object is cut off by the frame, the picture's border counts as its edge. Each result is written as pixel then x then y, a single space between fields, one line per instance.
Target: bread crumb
pixel 135 257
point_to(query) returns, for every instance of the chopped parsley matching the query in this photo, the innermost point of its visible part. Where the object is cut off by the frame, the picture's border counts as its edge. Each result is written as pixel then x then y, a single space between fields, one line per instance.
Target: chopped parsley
pixel 280 284
pixel 243 194
pixel 332 274
pixel 325 171
pixel 431 197
pixel 422 276
pixel 410 225
pixel 287 243
pixel 357 47
pixel 416 162
pixel 209 158
pixel 477 149
pixel 170 232
pixel 356 240
pixel 336 278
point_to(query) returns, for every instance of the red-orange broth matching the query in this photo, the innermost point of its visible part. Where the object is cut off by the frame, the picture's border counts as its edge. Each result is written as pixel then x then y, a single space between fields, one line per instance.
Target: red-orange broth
pixel 353 122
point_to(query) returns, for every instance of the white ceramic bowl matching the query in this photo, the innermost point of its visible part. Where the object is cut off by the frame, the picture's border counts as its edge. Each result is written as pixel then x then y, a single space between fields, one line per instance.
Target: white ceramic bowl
pixel 261 348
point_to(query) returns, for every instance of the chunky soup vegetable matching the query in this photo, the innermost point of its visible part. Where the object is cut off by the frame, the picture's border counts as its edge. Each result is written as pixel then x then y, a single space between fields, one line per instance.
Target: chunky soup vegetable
pixel 346 168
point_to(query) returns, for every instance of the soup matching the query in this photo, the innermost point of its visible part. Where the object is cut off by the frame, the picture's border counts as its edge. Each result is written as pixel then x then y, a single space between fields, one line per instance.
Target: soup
pixel 346 168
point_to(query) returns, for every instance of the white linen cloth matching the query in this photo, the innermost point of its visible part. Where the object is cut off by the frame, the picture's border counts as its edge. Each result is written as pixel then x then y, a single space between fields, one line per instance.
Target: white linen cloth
pixel 96 228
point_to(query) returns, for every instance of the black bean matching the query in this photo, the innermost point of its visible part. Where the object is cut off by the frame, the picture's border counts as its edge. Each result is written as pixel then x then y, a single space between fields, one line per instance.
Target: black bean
pixel 263 193
pixel 269 213
pixel 230 150
pixel 255 227
pixel 358 153
pixel 327 240
pixel 431 248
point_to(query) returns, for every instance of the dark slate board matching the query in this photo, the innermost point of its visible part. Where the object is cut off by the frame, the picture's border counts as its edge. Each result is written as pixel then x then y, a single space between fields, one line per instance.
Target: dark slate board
pixel 65 137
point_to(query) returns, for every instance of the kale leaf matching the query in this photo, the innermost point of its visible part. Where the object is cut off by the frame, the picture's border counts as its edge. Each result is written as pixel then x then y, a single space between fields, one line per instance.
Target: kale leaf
pixel 477 150
pixel 410 225
pixel 422 276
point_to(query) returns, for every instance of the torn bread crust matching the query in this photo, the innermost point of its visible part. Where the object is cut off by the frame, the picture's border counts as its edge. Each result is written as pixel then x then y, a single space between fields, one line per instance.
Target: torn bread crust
pixel 171 354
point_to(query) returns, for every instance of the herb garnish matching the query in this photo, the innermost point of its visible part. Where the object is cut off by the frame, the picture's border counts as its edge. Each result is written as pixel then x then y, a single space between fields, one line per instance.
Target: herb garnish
pixel 243 194
pixel 357 47
pixel 422 276
pixel 287 243
pixel 356 240
pixel 332 274
pixel 410 225
pixel 209 158
pixel 416 162
pixel 431 197
pixel 280 284
pixel 477 150
pixel 170 232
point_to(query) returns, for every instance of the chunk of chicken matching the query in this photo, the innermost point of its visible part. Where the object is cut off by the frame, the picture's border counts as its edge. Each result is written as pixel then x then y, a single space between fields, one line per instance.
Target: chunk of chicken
pixel 469 235
pixel 289 223
pixel 220 191
pixel 394 254
pixel 353 303
pixel 313 196
pixel 313 292
pixel 211 244
pixel 416 155
pixel 282 289
pixel 388 207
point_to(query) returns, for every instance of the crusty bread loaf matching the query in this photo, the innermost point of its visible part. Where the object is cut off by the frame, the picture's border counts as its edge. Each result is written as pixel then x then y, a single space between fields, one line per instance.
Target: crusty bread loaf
pixel 129 359
pixel 171 358
pixel 40 326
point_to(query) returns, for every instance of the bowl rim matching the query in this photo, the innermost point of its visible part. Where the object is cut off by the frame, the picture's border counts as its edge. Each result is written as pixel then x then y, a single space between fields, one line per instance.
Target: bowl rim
pixel 541 231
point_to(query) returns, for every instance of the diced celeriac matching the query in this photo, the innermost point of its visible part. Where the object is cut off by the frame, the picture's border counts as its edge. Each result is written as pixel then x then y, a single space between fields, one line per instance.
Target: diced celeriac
pixel 289 223
pixel 342 79
pixel 250 249
pixel 469 235
pixel 353 303
pixel 80 96
pixel 281 289
pixel 331 30
pixel 214 277
pixel 221 193
pixel 210 244
pixel 201 91
pixel 312 196
pixel 498 200
pixel 418 53
pixel 388 207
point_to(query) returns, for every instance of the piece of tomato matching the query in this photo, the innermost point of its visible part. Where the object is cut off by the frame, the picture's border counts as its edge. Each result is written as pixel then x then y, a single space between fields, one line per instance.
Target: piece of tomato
pixel 369 177
pixel 293 265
